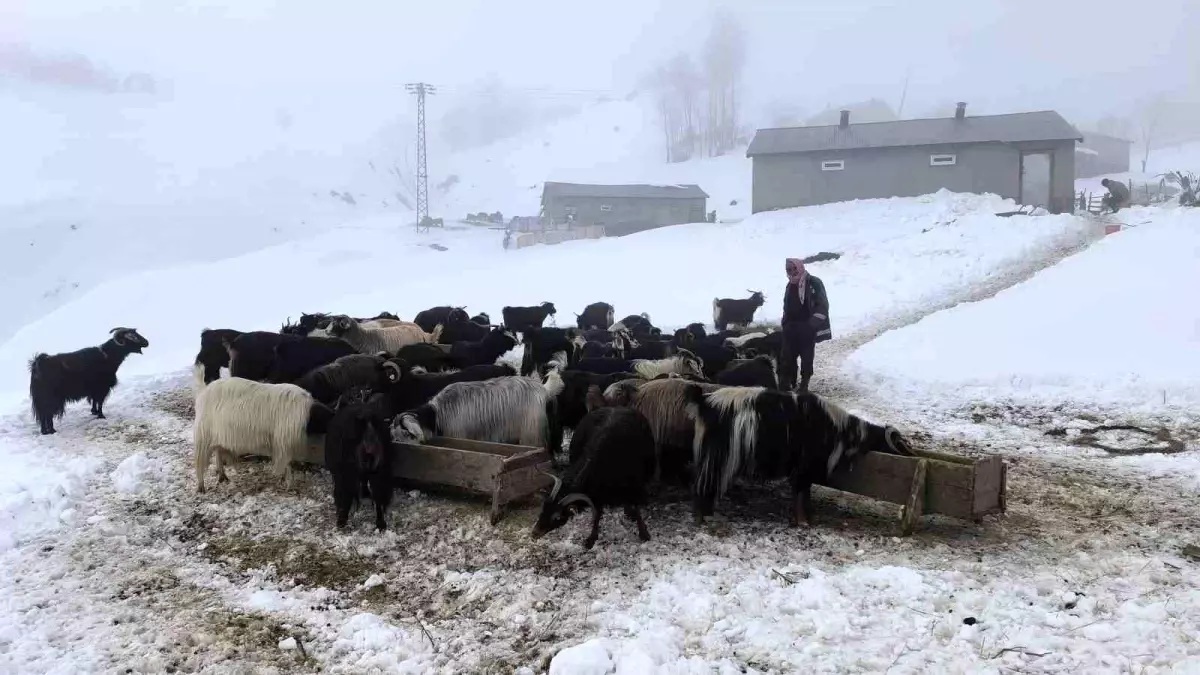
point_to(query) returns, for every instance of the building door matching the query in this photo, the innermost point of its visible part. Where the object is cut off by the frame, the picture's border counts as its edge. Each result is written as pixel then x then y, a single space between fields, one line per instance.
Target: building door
pixel 1036 178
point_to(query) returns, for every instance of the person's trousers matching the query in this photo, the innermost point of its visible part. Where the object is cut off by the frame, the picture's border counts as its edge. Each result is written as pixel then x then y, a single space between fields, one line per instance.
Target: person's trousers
pixel 798 343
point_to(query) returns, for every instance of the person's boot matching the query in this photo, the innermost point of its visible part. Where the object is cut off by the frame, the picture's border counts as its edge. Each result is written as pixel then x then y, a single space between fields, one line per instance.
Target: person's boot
pixel 803 386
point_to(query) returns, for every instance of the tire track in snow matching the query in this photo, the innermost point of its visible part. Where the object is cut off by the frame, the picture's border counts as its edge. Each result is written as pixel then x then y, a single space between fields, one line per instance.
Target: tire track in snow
pixel 828 378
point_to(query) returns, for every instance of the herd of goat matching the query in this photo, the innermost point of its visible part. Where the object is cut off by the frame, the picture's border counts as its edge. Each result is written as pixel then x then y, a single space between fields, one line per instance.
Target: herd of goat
pixel 644 408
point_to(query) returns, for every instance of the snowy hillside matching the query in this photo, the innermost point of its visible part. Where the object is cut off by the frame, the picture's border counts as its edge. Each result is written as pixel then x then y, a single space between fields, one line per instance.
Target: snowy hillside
pixel 896 255
pixel 1057 337
pixel 608 143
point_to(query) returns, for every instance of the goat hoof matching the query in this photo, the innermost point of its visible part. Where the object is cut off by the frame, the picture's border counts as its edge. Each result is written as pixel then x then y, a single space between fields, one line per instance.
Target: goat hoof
pixel 47 432
pixel 588 543
pixel 222 478
pixel 644 536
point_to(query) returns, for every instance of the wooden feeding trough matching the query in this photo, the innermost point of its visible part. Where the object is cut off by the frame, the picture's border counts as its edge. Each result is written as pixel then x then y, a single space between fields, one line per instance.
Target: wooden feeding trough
pixel 505 473
pixel 929 482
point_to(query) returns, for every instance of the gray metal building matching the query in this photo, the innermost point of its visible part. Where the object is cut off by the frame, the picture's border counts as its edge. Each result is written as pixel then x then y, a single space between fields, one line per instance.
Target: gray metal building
pixel 1029 157
pixel 623 207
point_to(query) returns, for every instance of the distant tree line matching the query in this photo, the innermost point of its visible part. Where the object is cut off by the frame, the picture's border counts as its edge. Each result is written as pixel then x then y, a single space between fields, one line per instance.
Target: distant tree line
pixel 698 103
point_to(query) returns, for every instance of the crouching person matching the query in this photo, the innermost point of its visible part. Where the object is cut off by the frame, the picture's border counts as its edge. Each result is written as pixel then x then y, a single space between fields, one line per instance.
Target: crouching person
pixel 805 323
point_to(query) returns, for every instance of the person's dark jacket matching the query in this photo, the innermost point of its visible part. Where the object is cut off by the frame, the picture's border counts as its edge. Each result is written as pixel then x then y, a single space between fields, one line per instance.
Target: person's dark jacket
pixel 813 312
pixel 1119 192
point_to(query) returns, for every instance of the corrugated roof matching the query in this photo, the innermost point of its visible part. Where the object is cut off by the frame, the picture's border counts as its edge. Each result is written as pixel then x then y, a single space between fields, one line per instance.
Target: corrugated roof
pixel 1045 125
pixel 551 189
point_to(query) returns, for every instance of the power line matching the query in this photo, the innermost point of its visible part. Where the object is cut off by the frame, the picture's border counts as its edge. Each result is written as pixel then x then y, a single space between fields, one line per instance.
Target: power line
pixel 420 89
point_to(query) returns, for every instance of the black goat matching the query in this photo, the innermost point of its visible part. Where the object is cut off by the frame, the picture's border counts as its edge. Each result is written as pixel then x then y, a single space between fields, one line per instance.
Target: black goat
pixel 352 371
pixel 595 315
pixel 650 348
pixel 756 372
pixel 212 355
pixel 594 350
pixel 715 357
pixel 521 319
pixel 495 343
pixel 770 345
pixel 612 458
pixel 358 455
pixel 430 318
pixel 433 358
pixel 294 358
pixel 546 345
pixel 91 373
pixel 572 402
pixel 462 331
pixel 482 319
pixel 733 312
pixel 252 354
pixel 767 435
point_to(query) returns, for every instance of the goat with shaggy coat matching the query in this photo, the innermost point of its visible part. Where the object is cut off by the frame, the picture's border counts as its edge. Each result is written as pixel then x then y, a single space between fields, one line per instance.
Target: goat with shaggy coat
pixel 213 356
pixel 756 372
pixel 295 358
pixel 482 319
pixel 430 318
pixel 462 331
pixel 359 457
pixel 521 319
pixel 352 371
pixel 596 315
pixel 736 312
pixel 612 456
pixel 407 389
pixel 683 363
pixel 315 324
pixel 572 402
pixel 544 346
pixel 58 379
pixel 515 409
pixel 663 404
pixel 495 344
pixel 236 417
pixel 765 435
pixel 252 354
pixel 432 358
pixel 369 340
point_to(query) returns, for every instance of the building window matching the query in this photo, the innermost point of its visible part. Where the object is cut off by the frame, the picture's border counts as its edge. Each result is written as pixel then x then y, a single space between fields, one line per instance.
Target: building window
pixel 943 160
pixel 606 207
pixel 833 165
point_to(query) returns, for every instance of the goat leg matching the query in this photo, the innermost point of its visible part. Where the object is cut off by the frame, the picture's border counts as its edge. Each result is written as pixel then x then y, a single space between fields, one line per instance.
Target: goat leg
pixel 802 506
pixel 343 498
pixel 98 407
pixel 597 514
pixel 634 513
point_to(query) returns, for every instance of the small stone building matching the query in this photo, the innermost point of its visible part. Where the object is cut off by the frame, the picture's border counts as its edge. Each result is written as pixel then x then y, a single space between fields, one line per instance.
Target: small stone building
pixel 623 207
pixel 1028 157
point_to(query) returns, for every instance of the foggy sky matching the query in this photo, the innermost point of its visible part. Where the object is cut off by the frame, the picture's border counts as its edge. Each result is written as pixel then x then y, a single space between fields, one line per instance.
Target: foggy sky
pixel 1082 58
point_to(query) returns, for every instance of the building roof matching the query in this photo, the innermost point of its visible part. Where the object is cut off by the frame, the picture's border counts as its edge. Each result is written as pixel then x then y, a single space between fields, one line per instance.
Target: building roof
pixel 1045 125
pixel 551 189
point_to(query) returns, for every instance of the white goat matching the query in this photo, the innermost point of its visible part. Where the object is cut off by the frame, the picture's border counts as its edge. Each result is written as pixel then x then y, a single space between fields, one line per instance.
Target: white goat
pixel 235 417
pixel 682 363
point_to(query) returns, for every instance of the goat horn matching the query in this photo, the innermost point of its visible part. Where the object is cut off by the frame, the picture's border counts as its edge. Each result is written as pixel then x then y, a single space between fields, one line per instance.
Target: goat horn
pixel 389 365
pixel 557 482
pixel 577 497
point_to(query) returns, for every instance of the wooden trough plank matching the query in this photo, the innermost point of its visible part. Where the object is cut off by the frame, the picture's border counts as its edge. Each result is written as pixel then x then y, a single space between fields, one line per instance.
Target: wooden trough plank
pixel 989 485
pixel 502 449
pixel 949 489
pixel 878 475
pixel 472 471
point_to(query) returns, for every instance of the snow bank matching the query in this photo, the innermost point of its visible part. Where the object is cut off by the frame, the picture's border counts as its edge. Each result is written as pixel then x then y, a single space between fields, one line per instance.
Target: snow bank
pixel 1115 324
pixel 898 254
pixel 724 615
pixel 134 475
pixel 38 483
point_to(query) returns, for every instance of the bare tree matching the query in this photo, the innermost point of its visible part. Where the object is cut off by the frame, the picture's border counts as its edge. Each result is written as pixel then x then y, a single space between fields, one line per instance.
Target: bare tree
pixel 1151 116
pixel 724 61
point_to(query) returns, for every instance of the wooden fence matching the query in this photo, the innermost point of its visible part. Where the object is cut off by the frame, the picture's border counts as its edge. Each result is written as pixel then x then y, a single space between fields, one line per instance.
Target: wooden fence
pixel 1140 194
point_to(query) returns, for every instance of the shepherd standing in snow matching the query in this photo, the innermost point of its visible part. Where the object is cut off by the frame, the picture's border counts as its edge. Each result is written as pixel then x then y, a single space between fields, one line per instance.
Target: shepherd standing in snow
pixel 805 323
